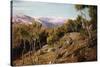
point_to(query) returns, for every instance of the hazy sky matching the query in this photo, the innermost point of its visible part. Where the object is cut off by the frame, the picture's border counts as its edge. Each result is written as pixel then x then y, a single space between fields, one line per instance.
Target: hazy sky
pixel 45 9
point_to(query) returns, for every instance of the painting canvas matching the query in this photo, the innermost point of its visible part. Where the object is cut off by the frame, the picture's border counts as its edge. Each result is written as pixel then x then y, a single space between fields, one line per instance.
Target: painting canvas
pixel 52 33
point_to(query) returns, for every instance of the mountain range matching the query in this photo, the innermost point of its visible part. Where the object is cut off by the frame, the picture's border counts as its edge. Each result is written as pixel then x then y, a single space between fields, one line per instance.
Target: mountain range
pixel 48 22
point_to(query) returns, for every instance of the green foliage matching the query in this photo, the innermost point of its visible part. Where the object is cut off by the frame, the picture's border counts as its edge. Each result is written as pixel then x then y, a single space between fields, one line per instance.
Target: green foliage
pixel 92 12
pixel 73 25
pixel 80 7
pixel 91 25
pixel 50 40
pixel 25 32
pixel 93 15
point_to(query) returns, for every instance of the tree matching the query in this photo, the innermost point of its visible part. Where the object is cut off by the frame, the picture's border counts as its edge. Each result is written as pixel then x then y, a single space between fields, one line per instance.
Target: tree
pixel 92 13
pixel 25 35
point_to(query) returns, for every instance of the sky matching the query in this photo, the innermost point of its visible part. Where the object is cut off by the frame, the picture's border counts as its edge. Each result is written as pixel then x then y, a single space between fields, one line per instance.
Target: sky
pixel 45 9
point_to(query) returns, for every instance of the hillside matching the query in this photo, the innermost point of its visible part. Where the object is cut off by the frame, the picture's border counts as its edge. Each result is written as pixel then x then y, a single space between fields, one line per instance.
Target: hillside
pixel 77 50
pixel 35 44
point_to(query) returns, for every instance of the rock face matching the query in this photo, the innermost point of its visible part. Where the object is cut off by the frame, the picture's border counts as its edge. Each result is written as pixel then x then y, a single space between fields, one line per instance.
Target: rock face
pixel 76 36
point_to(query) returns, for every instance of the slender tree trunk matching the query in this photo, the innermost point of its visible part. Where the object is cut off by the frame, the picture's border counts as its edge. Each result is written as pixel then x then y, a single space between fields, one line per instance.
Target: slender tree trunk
pixel 31 52
pixel 23 52
pixel 86 26
pixel 89 32
pixel 33 49
pixel 39 44
pixel 34 45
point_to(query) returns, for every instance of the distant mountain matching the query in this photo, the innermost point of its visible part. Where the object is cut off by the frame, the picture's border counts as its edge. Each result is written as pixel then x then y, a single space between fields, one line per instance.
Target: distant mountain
pixel 22 19
pixel 47 22
pixel 51 21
